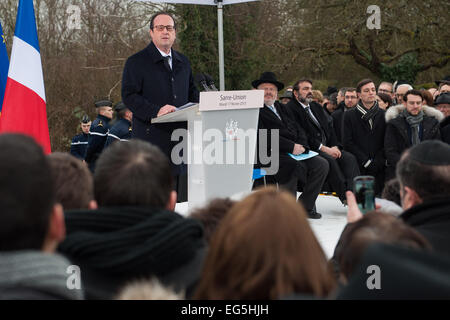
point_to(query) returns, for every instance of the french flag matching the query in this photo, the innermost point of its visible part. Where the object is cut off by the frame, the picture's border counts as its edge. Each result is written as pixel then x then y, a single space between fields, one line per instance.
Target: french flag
pixel 24 106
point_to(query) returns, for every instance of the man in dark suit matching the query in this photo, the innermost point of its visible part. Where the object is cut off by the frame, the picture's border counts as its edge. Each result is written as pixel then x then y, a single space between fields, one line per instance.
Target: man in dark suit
pixel 322 138
pixel 155 82
pixel 364 129
pixel 275 117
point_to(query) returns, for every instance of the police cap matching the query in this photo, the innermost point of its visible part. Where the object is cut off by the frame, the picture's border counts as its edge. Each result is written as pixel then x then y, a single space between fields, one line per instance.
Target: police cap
pixel 103 103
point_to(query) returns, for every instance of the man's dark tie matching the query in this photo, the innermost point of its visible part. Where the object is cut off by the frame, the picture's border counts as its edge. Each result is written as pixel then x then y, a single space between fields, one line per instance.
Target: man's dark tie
pixel 166 63
pixel 308 111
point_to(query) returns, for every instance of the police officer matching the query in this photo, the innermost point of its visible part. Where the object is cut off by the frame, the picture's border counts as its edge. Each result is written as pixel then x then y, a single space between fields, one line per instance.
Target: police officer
pixel 80 142
pixel 121 130
pixel 98 132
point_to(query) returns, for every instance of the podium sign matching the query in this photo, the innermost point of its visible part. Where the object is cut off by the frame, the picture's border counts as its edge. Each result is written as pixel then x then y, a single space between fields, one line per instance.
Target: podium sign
pixel 226 100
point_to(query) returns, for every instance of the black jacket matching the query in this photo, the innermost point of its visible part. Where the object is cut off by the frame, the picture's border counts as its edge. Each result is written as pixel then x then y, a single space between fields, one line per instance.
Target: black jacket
pixel 120 131
pixel 398 132
pixel 97 138
pixel 148 85
pixel 445 130
pixel 432 220
pixel 363 142
pixel 289 134
pixel 338 121
pixel 113 246
pixel 314 133
pixel 79 145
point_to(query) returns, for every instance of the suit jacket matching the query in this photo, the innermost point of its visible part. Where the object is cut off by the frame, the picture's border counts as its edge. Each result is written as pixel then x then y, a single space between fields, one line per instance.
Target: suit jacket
pixel 363 142
pixel 148 84
pixel 289 134
pixel 325 134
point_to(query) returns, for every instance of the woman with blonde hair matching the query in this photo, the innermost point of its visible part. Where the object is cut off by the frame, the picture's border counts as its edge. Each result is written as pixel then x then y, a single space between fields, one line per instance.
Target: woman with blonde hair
pixel 265 249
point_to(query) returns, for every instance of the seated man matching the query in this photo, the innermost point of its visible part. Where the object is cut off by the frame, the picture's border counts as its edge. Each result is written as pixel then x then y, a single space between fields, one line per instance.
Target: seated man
pixel 311 172
pixel 363 134
pixel 407 125
pixel 322 138
pixel 31 225
pixel 135 233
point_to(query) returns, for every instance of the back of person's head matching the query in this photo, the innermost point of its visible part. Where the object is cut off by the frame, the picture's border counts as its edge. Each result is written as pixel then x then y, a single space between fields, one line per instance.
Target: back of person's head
pixel 134 173
pixel 264 249
pixel 212 215
pixel 391 191
pixel 73 181
pixel 425 170
pixel 26 194
pixel 372 228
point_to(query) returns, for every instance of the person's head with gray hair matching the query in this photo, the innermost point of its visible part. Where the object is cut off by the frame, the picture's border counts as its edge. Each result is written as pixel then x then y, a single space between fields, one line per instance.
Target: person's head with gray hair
pixel 401 90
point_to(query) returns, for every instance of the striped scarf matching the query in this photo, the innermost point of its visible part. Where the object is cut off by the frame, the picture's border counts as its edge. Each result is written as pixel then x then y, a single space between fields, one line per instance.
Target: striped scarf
pixel 368 115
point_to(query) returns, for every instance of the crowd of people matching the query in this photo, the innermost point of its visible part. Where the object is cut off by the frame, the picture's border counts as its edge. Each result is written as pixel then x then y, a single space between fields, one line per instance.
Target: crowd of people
pixel 119 228
pixel 101 223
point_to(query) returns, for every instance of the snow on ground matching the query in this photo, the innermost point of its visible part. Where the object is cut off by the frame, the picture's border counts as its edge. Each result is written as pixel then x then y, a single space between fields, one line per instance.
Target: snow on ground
pixel 327 229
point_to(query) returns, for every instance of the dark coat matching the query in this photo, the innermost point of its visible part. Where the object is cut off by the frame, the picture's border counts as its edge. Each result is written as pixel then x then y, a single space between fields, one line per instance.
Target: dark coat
pixel 148 85
pixel 432 220
pixel 97 137
pixel 338 121
pixel 114 246
pixel 79 145
pixel 120 131
pixel 445 130
pixel 289 134
pixel 314 132
pixel 363 142
pixel 398 133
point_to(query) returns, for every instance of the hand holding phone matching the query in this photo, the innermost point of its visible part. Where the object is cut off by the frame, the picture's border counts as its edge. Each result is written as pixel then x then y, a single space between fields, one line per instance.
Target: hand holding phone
pixel 364 190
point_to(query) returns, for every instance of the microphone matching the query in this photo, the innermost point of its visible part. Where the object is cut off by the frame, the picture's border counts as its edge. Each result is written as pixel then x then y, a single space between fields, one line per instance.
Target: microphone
pixel 210 82
pixel 201 81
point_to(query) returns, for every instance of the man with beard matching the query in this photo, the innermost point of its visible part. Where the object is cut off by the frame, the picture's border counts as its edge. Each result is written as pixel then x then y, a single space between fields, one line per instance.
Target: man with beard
pixel 364 128
pixel 350 101
pixel 321 138
pixel 292 139
pixel 408 124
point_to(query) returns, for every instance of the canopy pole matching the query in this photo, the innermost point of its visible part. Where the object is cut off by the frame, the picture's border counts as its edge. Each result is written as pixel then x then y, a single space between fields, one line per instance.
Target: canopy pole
pixel 221 53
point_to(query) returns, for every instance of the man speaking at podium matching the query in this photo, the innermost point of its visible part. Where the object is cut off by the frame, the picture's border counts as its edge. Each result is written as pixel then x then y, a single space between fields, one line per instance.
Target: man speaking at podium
pixel 155 82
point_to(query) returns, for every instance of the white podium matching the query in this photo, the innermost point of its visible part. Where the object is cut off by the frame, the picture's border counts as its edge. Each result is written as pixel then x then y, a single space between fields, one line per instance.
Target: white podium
pixel 220 143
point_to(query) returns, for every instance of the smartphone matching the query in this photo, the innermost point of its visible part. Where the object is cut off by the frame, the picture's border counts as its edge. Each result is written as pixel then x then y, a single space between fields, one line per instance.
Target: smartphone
pixel 363 188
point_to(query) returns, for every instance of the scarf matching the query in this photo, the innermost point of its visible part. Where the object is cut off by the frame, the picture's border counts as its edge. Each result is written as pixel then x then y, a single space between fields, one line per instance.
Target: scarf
pixel 414 122
pixel 131 240
pixel 368 115
pixel 34 270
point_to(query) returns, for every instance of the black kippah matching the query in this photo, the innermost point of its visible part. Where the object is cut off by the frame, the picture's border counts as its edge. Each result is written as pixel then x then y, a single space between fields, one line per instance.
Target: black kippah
pixel 431 152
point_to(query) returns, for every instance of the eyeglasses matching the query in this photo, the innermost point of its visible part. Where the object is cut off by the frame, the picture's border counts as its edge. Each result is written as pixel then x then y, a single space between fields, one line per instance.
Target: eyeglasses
pixel 161 28
pixel 384 91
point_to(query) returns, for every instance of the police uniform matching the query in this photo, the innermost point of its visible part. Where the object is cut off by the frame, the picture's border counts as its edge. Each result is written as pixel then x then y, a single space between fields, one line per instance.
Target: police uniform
pixel 79 145
pixel 97 136
pixel 121 130
pixel 80 142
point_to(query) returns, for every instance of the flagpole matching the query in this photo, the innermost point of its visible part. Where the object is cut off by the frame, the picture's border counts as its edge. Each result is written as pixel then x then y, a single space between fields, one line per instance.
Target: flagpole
pixel 220 36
